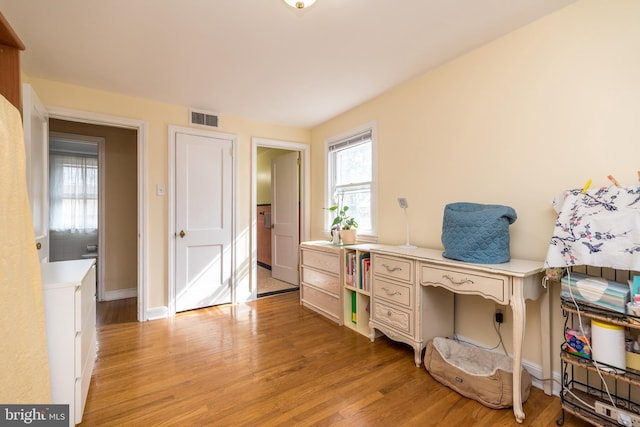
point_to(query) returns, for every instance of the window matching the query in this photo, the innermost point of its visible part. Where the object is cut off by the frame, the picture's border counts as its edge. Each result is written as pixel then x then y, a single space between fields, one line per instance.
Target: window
pixel 351 177
pixel 73 192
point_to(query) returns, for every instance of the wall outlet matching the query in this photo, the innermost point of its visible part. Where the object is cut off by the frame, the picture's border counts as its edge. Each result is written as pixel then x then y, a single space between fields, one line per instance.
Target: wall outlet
pixel 621 416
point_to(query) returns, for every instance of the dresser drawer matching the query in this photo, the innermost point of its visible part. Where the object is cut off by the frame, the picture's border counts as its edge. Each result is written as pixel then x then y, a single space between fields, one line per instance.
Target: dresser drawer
pixel 320 260
pixel 396 292
pixel 77 308
pixel 320 279
pixel 463 281
pixel 395 268
pixel 321 301
pixel 394 317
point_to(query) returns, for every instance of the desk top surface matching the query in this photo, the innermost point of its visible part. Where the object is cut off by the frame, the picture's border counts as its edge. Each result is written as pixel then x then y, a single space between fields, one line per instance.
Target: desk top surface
pixel 65 273
pixel 515 267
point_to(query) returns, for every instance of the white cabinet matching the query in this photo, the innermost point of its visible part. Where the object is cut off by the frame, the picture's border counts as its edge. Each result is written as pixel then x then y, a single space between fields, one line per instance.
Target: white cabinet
pixel 70 316
pixel 321 278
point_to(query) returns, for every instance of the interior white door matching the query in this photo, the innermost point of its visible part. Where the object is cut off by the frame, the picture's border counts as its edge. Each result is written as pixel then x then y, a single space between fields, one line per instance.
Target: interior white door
pixel 35 120
pixel 285 217
pixel 204 221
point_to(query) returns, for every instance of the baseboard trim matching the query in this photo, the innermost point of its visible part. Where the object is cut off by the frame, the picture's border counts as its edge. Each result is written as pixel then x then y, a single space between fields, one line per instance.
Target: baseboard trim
pixel 120 294
pixel 156 313
pixel 534 369
pixel 263 265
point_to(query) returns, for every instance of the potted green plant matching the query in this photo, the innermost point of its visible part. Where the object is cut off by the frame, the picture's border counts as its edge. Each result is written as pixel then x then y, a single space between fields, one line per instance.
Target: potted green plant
pixel 343 226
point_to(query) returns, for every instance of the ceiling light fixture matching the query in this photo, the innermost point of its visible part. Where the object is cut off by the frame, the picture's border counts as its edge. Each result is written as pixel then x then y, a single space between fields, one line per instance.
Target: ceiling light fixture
pixel 299 4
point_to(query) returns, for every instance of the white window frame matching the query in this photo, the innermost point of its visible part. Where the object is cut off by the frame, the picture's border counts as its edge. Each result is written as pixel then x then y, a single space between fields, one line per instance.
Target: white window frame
pixel 369 235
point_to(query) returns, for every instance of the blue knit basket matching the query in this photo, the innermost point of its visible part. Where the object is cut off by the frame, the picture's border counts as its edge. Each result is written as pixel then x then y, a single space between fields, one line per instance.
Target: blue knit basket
pixel 477 233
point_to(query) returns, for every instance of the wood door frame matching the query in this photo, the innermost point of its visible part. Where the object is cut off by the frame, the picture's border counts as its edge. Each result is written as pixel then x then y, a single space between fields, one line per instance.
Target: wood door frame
pixel 173 130
pixel 141 129
pixel 305 168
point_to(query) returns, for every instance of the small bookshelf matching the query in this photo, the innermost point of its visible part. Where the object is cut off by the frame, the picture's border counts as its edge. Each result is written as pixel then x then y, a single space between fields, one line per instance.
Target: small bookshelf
pixel 357 289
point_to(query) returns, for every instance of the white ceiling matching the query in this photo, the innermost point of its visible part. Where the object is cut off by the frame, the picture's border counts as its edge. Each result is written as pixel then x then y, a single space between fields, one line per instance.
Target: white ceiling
pixel 257 59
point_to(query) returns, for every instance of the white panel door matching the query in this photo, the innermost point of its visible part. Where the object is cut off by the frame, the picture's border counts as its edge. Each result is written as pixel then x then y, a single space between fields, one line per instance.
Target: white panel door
pixel 204 216
pixel 285 234
pixel 35 120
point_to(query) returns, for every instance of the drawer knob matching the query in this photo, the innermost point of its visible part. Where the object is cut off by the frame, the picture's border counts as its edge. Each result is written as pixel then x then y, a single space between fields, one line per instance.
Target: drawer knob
pixel 391 293
pixel 389 313
pixel 391 269
pixel 457 282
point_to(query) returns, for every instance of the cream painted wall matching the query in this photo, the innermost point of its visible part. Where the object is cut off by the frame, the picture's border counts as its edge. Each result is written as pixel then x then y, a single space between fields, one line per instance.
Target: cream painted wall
pixel 158 117
pixel 263 178
pixel 514 122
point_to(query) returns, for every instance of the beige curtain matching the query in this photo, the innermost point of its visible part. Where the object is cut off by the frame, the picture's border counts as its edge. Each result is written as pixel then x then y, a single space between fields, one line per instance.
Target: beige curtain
pixel 24 367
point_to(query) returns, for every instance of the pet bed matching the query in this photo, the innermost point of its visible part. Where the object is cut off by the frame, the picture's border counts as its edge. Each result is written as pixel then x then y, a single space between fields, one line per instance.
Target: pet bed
pixel 475 373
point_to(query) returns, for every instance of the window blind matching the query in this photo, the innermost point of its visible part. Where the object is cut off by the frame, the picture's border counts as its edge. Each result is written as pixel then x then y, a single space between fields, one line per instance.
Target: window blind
pixel 351 141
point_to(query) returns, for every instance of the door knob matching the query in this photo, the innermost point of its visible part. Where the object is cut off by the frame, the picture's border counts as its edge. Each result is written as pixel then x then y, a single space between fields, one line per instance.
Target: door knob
pixel 182 234
pixel 38 246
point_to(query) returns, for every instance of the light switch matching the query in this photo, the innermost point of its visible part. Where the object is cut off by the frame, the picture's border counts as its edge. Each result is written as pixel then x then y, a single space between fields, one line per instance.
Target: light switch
pixel 160 189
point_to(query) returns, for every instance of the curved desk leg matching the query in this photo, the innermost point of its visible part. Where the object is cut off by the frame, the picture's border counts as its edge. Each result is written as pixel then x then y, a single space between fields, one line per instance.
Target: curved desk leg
pixel 417 353
pixel 519 315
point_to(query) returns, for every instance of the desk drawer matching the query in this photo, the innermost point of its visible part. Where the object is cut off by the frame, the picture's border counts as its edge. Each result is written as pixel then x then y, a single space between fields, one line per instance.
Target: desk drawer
pixel 320 260
pixel 395 268
pixel 462 281
pixel 320 279
pixel 397 292
pixel 396 318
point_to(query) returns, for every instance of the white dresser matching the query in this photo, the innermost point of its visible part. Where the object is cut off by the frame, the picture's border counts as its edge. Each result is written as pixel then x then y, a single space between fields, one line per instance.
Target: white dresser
pixel 321 278
pixel 402 309
pixel 70 316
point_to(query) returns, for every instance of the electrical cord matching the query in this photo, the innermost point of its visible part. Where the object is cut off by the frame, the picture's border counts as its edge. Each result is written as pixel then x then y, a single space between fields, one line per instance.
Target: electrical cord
pixel 588 405
pixel 496 327
pixel 588 341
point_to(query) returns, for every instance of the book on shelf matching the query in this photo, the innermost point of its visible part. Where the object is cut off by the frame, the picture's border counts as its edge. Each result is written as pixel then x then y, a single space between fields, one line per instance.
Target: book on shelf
pixel 366 274
pixel 363 257
pixel 354 313
pixel 350 268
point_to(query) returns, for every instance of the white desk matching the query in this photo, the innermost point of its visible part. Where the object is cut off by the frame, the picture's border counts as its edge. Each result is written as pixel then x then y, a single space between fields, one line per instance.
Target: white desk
pixel 509 283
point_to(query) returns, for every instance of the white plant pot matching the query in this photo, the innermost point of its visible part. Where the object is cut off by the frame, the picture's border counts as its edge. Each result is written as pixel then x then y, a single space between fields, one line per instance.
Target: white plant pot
pixel 348 236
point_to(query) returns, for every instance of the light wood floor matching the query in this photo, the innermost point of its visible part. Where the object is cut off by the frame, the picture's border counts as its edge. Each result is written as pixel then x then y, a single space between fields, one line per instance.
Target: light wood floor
pixel 271 362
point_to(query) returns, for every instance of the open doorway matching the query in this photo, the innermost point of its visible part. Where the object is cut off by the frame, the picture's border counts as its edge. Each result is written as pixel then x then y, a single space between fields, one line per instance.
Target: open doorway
pixel 105 212
pixel 275 248
pixel 36 125
pixel 76 190
pixel 277 260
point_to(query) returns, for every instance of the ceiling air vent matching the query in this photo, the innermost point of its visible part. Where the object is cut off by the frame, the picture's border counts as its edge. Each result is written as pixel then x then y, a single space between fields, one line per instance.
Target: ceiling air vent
pixel 203 118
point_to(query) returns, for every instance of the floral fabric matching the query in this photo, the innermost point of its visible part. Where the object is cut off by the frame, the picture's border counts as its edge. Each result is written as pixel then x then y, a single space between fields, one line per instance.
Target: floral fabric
pixel 599 228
